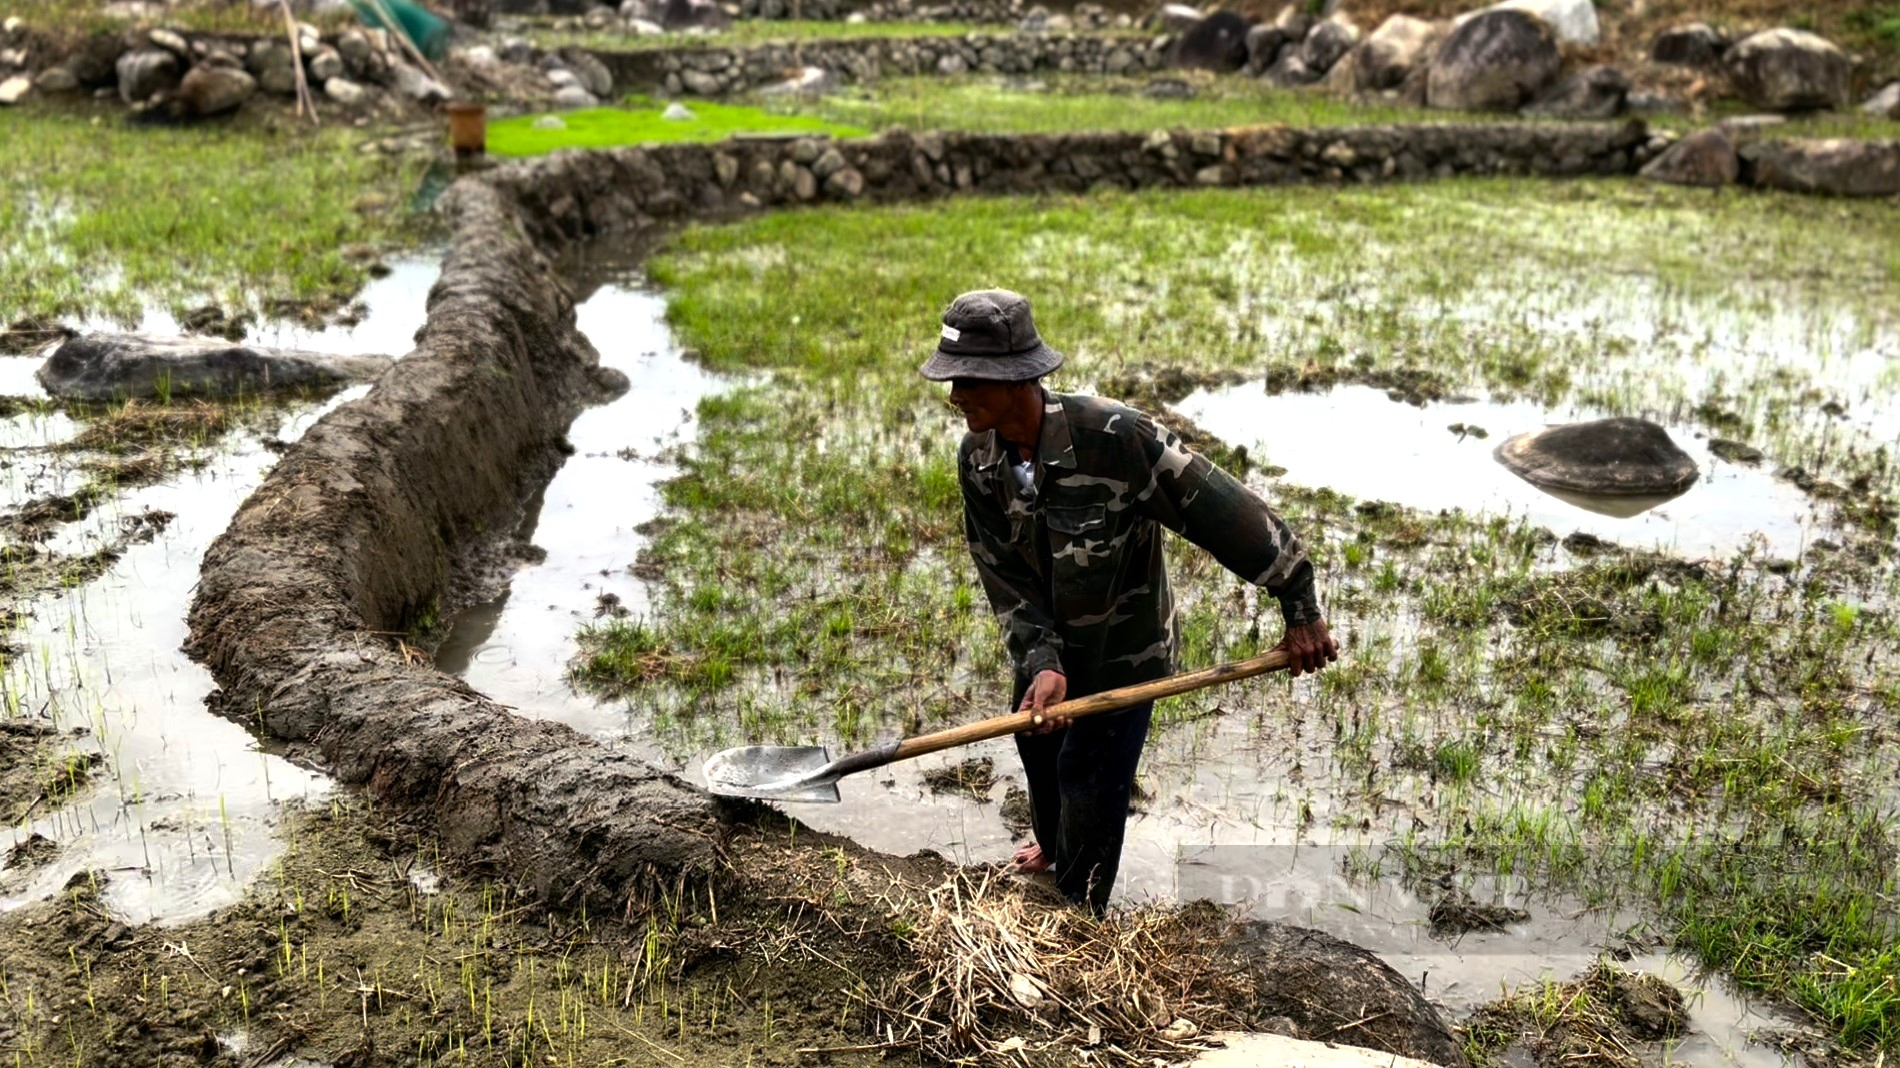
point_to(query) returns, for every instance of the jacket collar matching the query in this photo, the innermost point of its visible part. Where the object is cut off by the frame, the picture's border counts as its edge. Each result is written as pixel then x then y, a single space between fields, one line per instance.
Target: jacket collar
pixel 1055 448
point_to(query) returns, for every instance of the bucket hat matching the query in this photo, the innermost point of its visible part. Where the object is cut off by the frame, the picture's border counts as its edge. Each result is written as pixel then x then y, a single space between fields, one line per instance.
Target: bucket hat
pixel 989 334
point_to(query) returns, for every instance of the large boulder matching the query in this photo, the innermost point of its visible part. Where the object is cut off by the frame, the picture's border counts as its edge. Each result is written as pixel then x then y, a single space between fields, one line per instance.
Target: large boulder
pixel 1573 21
pixel 1604 457
pixel 594 75
pixel 1789 70
pixel 100 367
pixel 1327 44
pixel 1217 42
pixel 693 14
pixel 1398 47
pixel 1263 46
pixel 1494 61
pixel 1841 167
pixel 1884 104
pixel 208 90
pixel 1706 158
pixel 146 72
pixel 1597 92
pixel 1336 991
pixel 1696 45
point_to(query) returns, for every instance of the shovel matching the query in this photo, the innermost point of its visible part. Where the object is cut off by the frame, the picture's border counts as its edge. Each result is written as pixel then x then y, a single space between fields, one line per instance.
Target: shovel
pixel 807 772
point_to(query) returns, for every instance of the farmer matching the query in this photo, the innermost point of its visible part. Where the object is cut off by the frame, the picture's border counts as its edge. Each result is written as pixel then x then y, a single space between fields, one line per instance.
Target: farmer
pixel 1063 498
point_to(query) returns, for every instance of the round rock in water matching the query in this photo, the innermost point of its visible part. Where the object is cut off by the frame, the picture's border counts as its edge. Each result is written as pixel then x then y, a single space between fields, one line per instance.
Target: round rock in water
pixel 1606 457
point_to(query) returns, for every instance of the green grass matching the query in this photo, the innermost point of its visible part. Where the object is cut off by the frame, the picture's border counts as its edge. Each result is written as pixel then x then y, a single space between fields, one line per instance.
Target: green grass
pixel 1707 743
pixel 643 123
pixel 1065 104
pixel 752 32
pixel 102 216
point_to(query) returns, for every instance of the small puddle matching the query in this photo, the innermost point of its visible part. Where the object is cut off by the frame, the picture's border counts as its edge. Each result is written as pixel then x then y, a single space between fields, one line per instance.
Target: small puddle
pixel 1360 442
pixel 1227 780
pixel 182 812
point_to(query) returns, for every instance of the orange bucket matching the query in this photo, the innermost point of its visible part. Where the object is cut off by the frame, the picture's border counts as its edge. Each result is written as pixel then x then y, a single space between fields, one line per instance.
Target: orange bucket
pixel 468 128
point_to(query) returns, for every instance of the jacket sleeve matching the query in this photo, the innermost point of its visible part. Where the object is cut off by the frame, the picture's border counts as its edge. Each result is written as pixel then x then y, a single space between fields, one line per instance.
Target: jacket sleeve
pixel 1209 507
pixel 1028 631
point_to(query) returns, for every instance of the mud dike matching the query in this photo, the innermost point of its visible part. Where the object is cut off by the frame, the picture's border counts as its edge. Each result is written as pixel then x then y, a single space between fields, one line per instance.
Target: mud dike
pixel 386 513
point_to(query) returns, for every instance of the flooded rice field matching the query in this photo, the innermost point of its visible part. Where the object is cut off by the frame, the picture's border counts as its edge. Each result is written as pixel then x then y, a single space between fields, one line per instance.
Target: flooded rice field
pixel 177 806
pixel 1234 803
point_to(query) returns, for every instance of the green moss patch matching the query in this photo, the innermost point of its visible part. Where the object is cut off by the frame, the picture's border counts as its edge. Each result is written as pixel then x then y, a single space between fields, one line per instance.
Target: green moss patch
pixel 643 125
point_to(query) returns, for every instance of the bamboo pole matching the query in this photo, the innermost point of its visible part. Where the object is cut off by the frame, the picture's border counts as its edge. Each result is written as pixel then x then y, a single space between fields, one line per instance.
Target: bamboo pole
pixel 304 100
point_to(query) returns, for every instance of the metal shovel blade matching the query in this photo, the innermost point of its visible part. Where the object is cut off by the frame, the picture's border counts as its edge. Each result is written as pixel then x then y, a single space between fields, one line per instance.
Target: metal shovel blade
pixel 774 773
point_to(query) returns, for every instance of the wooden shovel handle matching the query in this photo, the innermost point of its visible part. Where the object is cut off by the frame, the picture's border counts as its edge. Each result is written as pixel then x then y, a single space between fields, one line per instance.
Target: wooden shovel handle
pixel 1106 701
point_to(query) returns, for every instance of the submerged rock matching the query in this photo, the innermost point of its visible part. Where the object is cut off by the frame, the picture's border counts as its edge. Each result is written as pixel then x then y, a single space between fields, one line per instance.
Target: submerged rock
pixel 1607 457
pixel 1306 975
pixel 1493 62
pixel 114 366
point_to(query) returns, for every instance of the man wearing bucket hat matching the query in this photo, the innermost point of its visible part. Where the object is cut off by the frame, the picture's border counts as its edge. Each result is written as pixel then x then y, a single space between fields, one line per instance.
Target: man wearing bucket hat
pixel 1063 498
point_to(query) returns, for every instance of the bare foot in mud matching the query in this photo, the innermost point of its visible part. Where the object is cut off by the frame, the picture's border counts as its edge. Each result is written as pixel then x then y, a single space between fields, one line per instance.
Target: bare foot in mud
pixel 1029 860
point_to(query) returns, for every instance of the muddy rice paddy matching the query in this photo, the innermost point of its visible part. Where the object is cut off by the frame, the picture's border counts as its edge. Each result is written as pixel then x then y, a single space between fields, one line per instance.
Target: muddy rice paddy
pixel 1564 730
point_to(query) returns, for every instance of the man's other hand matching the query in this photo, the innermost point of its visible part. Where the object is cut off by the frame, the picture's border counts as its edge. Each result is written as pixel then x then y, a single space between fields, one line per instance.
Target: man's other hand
pixel 1046 689
pixel 1310 647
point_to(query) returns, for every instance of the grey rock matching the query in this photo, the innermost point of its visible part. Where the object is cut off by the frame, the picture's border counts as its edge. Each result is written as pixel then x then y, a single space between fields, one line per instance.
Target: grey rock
pixel 1263 46
pixel 1176 18
pixel 1597 92
pixel 594 75
pixel 208 90
pixel 355 50
pixel 1327 44
pixel 550 122
pixel 1399 46
pixel 99 367
pixel 1706 158
pixel 345 92
pixel 561 78
pixel 270 62
pixel 1295 22
pixel 677 112
pixel 808 81
pixel 645 28
pixel 952 64
pixel 515 50
pixel 1495 61
pixel 1290 71
pixel 1217 42
pixel 1789 70
pixel 573 96
pixel 828 163
pixel 1840 167
pixel 146 72
pixel 1573 21
pixel 14 89
pixel 1607 457
pixel 699 83
pixel 693 14
pixel 845 183
pixel 56 80
pixel 170 42
pixel 326 64
pixel 1695 45
pixel 417 86
pixel 1884 104
pixel 635 9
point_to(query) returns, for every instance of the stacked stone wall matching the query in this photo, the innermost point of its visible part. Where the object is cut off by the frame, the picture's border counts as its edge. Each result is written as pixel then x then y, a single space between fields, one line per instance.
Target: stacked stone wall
pixel 582 194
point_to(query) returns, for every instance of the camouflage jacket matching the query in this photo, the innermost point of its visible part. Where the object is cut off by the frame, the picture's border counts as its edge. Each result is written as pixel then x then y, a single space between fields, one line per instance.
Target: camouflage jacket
pixel 1074 567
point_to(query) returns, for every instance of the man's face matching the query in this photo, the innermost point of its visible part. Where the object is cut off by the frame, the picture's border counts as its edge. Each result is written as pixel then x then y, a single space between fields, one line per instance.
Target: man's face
pixel 984 404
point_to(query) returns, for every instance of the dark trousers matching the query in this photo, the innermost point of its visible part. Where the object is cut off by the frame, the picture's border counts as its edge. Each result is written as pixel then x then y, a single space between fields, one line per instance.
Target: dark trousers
pixel 1079 780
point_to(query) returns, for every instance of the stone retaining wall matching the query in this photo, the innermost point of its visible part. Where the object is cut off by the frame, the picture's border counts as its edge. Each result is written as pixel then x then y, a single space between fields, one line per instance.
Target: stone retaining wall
pixel 717 71
pixel 581 194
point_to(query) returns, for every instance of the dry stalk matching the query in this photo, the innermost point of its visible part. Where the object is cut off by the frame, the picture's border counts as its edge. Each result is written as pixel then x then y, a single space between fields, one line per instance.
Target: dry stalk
pixel 1002 976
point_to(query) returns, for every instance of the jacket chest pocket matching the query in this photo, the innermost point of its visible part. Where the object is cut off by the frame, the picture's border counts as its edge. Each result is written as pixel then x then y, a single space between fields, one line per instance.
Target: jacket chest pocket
pixel 1078 536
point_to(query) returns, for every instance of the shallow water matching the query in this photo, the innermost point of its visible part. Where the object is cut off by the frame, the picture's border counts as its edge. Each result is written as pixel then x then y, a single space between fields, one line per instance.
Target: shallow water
pixel 1222 818
pixel 182 813
pixel 1360 442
